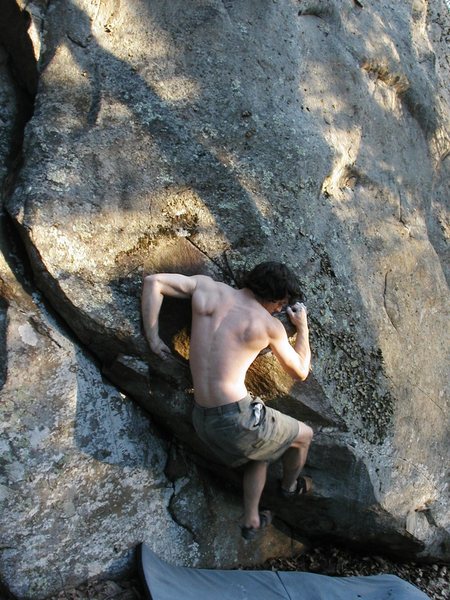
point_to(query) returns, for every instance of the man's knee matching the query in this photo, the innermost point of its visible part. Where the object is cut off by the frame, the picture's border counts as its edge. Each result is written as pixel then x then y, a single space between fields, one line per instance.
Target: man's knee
pixel 305 434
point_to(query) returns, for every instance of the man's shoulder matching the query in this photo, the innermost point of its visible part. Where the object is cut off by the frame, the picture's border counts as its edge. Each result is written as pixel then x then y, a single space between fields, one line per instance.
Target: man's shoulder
pixel 203 278
pixel 264 321
pixel 275 327
pixel 206 286
pixel 204 282
pixel 207 282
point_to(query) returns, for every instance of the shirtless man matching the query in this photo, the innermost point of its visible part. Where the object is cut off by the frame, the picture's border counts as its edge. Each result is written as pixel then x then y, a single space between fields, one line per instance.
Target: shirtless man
pixel 229 329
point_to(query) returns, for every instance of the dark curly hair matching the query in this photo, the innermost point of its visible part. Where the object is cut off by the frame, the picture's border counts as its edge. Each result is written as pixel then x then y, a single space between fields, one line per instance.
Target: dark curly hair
pixel 272 281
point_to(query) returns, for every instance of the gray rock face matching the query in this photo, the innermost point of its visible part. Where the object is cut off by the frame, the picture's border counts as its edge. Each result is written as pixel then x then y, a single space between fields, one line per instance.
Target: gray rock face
pixel 204 136
pixel 83 476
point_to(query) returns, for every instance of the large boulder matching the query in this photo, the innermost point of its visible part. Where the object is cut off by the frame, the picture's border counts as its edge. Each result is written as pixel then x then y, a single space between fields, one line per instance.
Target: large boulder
pixel 207 136
pixel 84 474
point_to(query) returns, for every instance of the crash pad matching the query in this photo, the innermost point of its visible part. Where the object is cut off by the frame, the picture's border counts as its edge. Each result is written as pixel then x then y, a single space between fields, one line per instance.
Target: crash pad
pixel 168 582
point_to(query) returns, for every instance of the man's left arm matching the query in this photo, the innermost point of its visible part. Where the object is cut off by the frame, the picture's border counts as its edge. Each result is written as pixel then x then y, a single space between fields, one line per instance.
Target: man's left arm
pixel 154 289
pixel 295 360
pixel 299 318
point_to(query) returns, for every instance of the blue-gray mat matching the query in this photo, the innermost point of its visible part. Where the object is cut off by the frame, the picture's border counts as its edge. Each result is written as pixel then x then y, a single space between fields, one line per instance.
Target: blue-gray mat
pixel 168 582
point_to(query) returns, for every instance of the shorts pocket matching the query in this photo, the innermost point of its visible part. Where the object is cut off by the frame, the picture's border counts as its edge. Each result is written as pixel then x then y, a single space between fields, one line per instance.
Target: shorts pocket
pixel 254 418
pixel 259 444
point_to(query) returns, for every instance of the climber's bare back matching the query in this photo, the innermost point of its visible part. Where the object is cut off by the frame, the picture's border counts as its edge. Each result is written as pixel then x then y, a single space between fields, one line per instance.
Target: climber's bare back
pixel 229 328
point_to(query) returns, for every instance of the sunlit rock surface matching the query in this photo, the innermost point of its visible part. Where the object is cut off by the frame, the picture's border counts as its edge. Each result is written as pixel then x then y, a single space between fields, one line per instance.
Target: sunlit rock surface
pixel 207 136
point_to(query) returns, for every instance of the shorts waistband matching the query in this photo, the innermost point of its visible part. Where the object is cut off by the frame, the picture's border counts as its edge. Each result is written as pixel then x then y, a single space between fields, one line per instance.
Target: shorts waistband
pixel 224 408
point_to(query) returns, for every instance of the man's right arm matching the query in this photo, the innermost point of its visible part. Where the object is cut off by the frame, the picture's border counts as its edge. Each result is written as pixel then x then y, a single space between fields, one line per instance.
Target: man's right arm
pixel 154 289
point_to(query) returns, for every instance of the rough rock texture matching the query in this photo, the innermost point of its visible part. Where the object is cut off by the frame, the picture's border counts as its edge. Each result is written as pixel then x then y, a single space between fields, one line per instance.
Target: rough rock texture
pixel 73 450
pixel 204 136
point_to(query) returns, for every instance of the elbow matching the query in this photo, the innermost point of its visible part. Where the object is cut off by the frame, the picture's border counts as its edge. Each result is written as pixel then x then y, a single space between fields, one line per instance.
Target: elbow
pixel 304 368
pixel 298 374
pixel 150 281
pixel 298 371
pixel 302 376
pixel 150 287
pixel 303 372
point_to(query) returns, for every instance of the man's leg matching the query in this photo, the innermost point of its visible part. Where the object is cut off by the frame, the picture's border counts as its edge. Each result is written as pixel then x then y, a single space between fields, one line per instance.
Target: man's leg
pixel 295 457
pixel 255 474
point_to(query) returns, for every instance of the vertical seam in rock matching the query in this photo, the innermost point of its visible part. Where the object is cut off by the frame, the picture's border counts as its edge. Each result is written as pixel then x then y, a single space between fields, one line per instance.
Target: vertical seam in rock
pixel 172 499
pixel 175 518
pixel 384 300
pixel 197 247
